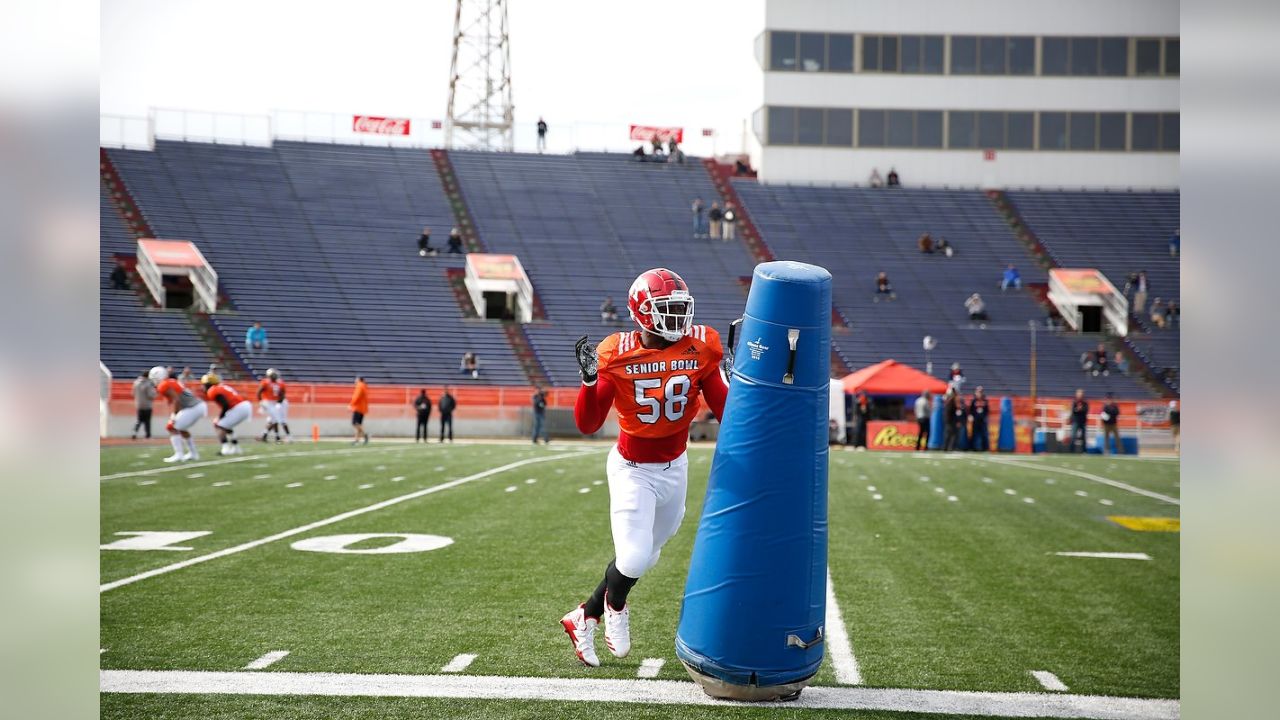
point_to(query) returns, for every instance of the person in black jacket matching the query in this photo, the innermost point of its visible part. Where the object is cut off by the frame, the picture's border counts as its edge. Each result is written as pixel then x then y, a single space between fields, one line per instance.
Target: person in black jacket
pixel 424 243
pixel 862 414
pixel 447 405
pixel 1079 420
pixel 539 404
pixel 1110 425
pixel 979 438
pixel 953 412
pixel 422 404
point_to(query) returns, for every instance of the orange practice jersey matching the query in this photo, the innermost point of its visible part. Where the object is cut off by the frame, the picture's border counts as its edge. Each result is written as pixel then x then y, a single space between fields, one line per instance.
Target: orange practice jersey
pixel 225 395
pixel 272 390
pixel 656 391
pixel 174 392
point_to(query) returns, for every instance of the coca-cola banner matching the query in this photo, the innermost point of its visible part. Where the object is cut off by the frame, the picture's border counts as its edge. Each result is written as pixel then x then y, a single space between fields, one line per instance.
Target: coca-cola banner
pixel 664 134
pixel 379 125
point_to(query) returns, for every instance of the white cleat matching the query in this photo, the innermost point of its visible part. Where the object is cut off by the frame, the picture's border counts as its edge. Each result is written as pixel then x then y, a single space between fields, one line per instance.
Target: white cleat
pixel 173 458
pixel 581 631
pixel 617 629
pixel 189 456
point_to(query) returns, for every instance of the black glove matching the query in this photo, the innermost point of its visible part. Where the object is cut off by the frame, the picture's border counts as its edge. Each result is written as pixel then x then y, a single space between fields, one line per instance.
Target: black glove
pixel 588 363
pixel 730 350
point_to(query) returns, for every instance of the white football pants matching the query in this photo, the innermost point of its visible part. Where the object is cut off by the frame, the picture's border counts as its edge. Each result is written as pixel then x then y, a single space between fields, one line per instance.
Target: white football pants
pixel 646 505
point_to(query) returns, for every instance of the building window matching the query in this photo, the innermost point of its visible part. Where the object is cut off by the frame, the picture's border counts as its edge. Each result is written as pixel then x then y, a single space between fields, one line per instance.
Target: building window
pixel 1115 57
pixel 961 127
pixel 932 62
pixel 1084 56
pixel 1084 131
pixel 1053 131
pixel 813 52
pixel 1146 131
pixel 929 128
pixel 1172 61
pixel 840 53
pixel 1020 131
pixel 1111 131
pixel 871 53
pixel 964 55
pixel 1169 131
pixel 1053 56
pixel 871 128
pixel 1022 56
pixel 840 128
pixel 991 51
pixel 889 53
pixel 1146 57
pixel 782 51
pixel 809 123
pixel 991 130
pixel 902 128
pixel 911 50
pixel 782 126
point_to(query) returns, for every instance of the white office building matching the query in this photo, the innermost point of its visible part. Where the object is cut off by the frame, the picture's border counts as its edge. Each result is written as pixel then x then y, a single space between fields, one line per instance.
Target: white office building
pixel 969 93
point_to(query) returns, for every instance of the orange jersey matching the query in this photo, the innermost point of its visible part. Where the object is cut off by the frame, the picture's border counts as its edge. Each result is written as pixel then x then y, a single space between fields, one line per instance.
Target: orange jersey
pixel 224 395
pixel 272 390
pixel 360 399
pixel 656 391
pixel 174 392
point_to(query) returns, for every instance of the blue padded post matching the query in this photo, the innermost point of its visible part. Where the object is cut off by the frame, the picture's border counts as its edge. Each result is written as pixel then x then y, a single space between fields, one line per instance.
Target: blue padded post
pixel 1006 441
pixel 755 599
pixel 936 424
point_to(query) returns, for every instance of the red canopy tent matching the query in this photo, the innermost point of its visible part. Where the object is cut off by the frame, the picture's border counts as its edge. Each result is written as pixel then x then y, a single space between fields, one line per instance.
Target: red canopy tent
pixel 891 378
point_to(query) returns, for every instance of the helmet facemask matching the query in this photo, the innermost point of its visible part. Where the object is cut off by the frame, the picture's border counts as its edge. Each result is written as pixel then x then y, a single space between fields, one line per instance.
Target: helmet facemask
pixel 671 315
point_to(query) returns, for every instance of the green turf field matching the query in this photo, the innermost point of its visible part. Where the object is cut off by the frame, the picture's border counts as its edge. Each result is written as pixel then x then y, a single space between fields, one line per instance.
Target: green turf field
pixel 944 568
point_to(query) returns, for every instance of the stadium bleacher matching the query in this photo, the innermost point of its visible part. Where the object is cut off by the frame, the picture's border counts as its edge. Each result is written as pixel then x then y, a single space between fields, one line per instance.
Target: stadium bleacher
pixel 859 232
pixel 134 337
pixel 585 225
pixel 319 243
pixel 1118 233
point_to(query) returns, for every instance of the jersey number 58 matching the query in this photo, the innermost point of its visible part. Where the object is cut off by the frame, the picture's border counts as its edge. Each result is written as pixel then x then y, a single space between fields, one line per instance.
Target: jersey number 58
pixel 672 404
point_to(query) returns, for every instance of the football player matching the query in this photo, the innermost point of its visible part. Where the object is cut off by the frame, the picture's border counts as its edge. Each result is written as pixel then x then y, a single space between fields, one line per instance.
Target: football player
pixel 275 404
pixel 235 410
pixel 653 376
pixel 187 409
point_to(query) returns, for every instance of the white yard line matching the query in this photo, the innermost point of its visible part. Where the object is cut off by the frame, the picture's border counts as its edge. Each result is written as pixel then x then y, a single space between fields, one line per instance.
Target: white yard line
pixel 267 660
pixel 842 659
pixel 662 692
pixel 1107 555
pixel 1087 476
pixel 1049 681
pixel 331 520
pixel 458 663
pixel 649 667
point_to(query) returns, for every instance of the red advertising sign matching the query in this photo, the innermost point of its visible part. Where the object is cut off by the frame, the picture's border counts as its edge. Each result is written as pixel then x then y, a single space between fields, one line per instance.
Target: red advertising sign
pixel 988 155
pixel 436 124
pixel 376 125
pixel 1081 282
pixel 172 253
pixel 707 132
pixel 892 435
pixel 647 132
pixel 495 267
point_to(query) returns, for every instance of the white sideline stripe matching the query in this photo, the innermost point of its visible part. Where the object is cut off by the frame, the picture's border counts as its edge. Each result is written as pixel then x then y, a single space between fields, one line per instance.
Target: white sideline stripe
pixel 1088 476
pixel 1049 681
pixel 663 692
pixel 1107 555
pixel 842 659
pixel 267 660
pixel 649 667
pixel 335 519
pixel 458 663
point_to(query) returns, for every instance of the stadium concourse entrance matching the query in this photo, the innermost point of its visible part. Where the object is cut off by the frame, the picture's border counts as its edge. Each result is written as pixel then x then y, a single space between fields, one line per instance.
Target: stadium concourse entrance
pixel 177 275
pixel 499 287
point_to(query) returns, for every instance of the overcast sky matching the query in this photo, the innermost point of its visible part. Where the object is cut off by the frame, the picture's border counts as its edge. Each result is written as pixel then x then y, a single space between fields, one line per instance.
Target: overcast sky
pixel 661 62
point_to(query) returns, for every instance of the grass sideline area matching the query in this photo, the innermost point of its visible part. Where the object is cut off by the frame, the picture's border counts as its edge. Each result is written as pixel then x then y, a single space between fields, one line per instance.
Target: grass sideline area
pixel 944 566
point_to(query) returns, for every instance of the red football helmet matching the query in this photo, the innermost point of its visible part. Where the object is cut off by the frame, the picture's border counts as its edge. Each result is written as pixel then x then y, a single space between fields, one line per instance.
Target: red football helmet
pixel 660 302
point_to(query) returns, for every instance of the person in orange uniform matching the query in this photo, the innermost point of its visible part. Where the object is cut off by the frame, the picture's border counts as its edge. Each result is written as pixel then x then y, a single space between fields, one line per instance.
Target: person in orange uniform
pixel 271 396
pixel 235 410
pixel 654 377
pixel 359 406
pixel 187 409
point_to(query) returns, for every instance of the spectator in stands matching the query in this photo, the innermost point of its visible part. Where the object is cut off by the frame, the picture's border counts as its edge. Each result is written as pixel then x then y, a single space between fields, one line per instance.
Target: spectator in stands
pixel 1175 243
pixel 926 243
pixel 953 414
pixel 676 155
pixel 608 311
pixel 1122 363
pixel 740 167
pixel 470 365
pixel 956 377
pixel 728 222
pixel 875 180
pixel 1130 283
pixel 1079 420
pixel 861 416
pixel 714 216
pixel 1140 289
pixel 945 247
pixel 977 308
pixel 1175 425
pixel 120 280
pixel 893 178
pixel 539 404
pixel 699 217
pixel 884 288
pixel 422 404
pixel 638 153
pixel 672 145
pixel 424 243
pixel 542 135
pixel 255 339
pixel 1110 425
pixel 186 377
pixel 923 411
pixel 1100 363
pixel 979 412
pixel 1171 312
pixel 656 142
pixel 447 405
pixel 455 241
pixel 144 395
pixel 359 408
pixel 1012 278
pixel 1157 313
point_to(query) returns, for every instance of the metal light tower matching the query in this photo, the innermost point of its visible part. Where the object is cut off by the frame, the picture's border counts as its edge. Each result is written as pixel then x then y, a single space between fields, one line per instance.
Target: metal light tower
pixel 480 109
